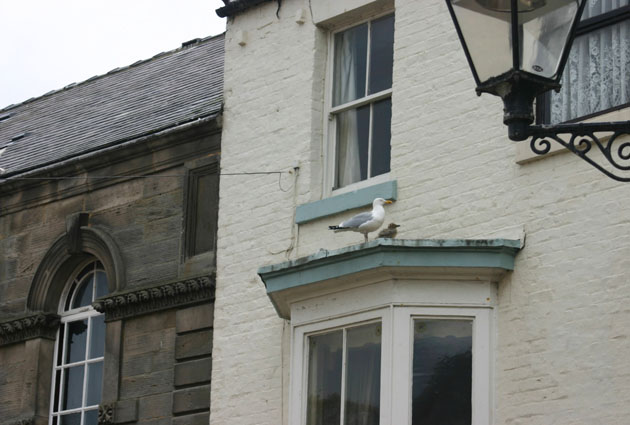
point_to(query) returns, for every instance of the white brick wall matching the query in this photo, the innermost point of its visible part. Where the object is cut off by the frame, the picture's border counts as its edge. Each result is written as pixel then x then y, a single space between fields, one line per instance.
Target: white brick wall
pixel 563 315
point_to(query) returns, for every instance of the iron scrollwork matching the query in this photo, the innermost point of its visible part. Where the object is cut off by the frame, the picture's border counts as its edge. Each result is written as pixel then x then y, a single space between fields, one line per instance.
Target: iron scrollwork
pixel 582 140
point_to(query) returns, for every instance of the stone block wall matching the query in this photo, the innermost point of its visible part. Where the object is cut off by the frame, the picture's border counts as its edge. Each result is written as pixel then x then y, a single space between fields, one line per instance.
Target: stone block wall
pixel 155 338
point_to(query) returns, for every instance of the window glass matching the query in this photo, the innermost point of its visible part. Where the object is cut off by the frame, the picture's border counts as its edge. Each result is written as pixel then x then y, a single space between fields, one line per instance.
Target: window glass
pixel 352 150
pixel 363 375
pixel 350 64
pixel 78 371
pixel 354 382
pixel 324 379
pixel 77 339
pixel 596 76
pixel 381 54
pixel 381 135
pixel 97 336
pixel 363 55
pixel 442 372
pixel 83 296
pixel 73 387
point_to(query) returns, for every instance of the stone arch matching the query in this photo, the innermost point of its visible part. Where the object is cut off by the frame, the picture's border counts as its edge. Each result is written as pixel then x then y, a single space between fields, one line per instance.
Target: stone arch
pixel 66 253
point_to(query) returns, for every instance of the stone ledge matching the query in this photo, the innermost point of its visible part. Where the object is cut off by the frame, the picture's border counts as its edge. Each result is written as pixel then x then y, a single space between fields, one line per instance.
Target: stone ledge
pixel 38 325
pixel 147 300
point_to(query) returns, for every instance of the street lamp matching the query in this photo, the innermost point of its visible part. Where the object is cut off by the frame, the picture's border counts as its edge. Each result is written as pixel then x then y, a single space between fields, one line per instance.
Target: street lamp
pixel 517 50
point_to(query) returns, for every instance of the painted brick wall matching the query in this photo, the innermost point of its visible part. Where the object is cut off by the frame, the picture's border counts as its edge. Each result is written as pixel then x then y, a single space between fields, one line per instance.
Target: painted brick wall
pixel 562 316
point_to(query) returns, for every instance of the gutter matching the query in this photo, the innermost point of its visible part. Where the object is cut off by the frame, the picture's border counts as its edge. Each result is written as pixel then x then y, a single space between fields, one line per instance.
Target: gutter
pixel 86 156
pixel 235 7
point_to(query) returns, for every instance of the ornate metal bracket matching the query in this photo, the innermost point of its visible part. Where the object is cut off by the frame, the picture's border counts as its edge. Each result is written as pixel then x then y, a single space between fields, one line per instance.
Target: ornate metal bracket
pixel 582 141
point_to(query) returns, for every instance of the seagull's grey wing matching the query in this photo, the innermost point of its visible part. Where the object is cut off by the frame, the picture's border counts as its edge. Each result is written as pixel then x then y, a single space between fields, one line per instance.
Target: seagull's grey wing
pixel 357 220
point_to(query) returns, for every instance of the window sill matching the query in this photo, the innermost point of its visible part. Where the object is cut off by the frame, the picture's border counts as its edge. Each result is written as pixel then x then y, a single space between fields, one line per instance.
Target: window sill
pixel 344 202
pixel 524 154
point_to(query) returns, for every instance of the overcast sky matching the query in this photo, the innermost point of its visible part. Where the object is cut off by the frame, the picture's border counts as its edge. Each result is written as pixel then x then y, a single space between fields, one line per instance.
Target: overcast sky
pixel 48 44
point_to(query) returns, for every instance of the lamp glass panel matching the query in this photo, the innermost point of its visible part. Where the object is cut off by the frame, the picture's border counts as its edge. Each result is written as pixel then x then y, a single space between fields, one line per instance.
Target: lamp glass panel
pixel 487 36
pixel 543 36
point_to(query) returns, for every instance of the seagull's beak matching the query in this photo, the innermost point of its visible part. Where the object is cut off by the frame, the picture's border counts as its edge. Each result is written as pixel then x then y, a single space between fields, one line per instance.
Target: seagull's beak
pixel 388 202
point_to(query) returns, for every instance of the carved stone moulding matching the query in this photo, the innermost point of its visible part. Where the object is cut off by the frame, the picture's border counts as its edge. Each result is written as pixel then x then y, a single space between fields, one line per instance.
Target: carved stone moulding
pixel 23 421
pixel 106 414
pixel 37 325
pixel 155 298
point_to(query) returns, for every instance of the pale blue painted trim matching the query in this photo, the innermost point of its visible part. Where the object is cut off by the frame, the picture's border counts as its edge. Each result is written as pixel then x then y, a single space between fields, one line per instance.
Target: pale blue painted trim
pixel 453 253
pixel 344 202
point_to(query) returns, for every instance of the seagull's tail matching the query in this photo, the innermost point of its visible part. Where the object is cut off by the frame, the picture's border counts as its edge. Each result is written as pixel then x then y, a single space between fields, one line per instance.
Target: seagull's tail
pixel 338 228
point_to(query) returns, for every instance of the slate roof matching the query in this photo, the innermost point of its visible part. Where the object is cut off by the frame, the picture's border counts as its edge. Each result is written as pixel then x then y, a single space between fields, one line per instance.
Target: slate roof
pixel 168 90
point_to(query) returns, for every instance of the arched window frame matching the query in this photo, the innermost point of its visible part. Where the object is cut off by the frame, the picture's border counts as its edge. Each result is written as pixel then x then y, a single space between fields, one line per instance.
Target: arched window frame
pixel 87 411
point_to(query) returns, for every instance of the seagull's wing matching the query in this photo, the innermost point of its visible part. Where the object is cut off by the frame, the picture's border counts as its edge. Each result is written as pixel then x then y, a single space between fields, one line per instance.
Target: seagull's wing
pixel 357 220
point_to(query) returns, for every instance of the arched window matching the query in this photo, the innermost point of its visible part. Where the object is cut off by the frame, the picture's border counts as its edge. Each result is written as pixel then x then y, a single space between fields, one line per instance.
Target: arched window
pixel 78 361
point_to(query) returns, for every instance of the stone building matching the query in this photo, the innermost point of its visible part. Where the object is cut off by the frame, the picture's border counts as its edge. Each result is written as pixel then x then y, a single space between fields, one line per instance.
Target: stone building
pixel 108 205
pixel 503 299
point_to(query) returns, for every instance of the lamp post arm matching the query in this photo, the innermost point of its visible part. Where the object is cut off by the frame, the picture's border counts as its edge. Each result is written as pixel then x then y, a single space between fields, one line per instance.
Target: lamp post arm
pixel 581 138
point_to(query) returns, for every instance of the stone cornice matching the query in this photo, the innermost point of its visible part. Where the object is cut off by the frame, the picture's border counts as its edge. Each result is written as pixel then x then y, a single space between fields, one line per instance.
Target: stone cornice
pixel 38 325
pixel 147 300
pixel 23 421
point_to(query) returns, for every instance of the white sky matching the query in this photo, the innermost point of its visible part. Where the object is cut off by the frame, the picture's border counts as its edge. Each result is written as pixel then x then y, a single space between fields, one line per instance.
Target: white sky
pixel 48 44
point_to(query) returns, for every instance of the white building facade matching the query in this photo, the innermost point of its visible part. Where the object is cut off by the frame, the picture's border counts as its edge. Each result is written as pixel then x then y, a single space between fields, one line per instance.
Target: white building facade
pixel 503 298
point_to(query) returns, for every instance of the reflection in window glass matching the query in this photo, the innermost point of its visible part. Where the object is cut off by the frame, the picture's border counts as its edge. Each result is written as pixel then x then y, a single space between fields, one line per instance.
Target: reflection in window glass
pixel 94 383
pixel 363 375
pixel 77 338
pixel 324 379
pixel 381 54
pixel 73 387
pixel 83 295
pixel 381 135
pixel 442 372
pixel 356 381
pixel 97 336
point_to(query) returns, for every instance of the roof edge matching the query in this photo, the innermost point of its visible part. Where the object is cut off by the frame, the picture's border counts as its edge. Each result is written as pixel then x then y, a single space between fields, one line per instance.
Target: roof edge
pixel 235 7
pixel 185 45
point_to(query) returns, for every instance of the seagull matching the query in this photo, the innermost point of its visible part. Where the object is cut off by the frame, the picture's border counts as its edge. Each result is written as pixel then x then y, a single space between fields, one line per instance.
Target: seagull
pixel 365 222
pixel 389 232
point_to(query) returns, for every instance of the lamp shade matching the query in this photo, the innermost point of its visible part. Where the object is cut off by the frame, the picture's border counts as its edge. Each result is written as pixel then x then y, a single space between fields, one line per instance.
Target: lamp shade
pixel 502 38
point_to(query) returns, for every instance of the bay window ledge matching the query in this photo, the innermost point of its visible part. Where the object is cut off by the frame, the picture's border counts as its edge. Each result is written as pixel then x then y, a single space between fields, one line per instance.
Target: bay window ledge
pixel 441 271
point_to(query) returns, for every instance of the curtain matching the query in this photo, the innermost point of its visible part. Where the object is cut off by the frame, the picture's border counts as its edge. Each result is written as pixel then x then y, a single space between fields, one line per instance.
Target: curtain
pixel 597 74
pixel 349 84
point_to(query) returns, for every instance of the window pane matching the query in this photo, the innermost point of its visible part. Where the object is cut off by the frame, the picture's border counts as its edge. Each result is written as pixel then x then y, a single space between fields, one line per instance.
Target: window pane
pixel 94 383
pixel 363 375
pixel 381 54
pixel 442 372
pixel 350 65
pixel 599 7
pixel 381 135
pixel 75 348
pixel 97 336
pixel 72 419
pixel 596 74
pixel 324 379
pixel 73 387
pixel 101 284
pixel 55 406
pixel 83 295
pixel 90 417
pixel 352 145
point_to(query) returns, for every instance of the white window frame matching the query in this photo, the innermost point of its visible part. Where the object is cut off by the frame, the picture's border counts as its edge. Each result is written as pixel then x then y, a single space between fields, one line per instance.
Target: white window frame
pixel 330 123
pixel 67 316
pixel 397 357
